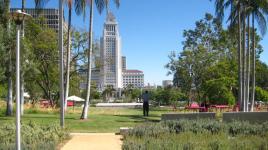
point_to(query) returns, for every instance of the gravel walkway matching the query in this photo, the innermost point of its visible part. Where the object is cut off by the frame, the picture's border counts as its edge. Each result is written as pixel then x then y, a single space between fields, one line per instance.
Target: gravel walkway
pixel 93 141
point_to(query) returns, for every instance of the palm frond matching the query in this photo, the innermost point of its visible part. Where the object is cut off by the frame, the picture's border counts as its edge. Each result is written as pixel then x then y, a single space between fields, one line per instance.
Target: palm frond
pixel 100 4
pixel 117 3
pixel 219 9
pixel 40 3
pixel 260 18
pixel 80 7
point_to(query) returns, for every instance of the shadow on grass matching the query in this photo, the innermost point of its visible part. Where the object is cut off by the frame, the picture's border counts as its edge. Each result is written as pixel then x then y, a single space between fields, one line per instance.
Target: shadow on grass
pixel 137 118
pixel 6 118
pixel 47 117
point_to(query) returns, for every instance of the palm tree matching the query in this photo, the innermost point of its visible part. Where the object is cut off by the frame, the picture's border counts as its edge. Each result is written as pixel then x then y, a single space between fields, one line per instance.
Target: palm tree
pixel 9 66
pixel 80 6
pixel 67 77
pixel 22 72
pixel 235 19
pixel 259 11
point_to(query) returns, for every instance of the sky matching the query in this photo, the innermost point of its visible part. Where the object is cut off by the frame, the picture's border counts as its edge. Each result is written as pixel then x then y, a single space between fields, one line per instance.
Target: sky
pixel 150 30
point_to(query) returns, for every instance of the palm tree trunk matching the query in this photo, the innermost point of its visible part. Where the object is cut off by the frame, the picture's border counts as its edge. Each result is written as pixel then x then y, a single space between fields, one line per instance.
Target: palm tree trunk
pixel 253 65
pixel 61 66
pixel 9 110
pixel 86 105
pixel 21 93
pixel 68 58
pixel 9 66
pixel 23 10
pixel 248 63
pixel 22 72
pixel 244 62
pixel 239 61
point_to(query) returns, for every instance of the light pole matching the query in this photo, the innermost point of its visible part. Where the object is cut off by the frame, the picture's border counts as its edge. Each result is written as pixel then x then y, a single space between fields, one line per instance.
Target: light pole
pixel 61 67
pixel 18 17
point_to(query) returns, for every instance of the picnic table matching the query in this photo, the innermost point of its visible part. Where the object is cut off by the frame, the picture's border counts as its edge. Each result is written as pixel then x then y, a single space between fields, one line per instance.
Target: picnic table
pixel 195 107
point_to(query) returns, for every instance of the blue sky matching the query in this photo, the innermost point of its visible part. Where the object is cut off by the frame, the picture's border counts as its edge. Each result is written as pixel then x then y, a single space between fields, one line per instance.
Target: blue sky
pixel 150 30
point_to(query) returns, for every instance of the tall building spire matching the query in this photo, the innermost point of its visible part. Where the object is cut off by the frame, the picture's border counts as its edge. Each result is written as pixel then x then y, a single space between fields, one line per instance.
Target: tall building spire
pixel 111 54
pixel 110 17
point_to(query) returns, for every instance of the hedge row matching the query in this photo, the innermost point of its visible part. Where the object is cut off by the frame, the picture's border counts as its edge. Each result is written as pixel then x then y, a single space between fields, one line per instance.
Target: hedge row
pixel 197 135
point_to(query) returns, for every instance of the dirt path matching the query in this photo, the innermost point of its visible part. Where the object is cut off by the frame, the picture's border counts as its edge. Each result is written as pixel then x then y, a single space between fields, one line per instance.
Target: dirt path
pixel 93 141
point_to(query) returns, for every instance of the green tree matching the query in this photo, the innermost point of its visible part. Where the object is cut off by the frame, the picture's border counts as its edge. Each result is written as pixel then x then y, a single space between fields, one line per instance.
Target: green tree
pixel 108 92
pixel 261 74
pixel 261 95
pixel 43 59
pixel 259 11
pixel 201 50
pixel 209 54
pixel 135 93
pixel 219 91
pixel 240 10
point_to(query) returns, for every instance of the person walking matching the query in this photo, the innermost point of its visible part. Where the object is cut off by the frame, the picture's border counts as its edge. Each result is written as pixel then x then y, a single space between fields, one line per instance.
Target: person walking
pixel 145 98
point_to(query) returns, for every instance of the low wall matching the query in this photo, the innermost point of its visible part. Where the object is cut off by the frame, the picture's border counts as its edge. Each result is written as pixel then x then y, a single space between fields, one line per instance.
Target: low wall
pixel 252 117
pixel 178 116
pixel 123 105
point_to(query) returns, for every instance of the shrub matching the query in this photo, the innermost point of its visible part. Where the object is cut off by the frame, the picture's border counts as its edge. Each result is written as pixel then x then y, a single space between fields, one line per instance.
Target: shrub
pixel 197 135
pixel 33 136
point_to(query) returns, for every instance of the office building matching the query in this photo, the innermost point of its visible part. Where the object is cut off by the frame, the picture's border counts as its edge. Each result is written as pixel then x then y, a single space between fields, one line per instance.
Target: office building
pixel 111 70
pixel 134 78
pixel 95 72
pixel 50 17
pixel 124 63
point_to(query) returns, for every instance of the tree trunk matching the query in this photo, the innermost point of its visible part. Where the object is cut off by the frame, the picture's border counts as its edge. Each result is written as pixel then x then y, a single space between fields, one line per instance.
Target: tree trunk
pixel 21 93
pixel 22 71
pixel 248 63
pixel 9 66
pixel 86 105
pixel 253 65
pixel 68 58
pixel 244 62
pixel 239 62
pixel 61 65
pixel 9 110
pixel 23 10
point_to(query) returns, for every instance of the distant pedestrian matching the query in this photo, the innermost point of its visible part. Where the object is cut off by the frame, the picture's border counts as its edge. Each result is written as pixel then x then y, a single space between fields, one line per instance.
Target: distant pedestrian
pixel 145 98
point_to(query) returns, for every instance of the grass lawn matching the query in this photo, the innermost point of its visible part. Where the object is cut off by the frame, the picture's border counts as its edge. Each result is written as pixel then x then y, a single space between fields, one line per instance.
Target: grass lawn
pixel 99 119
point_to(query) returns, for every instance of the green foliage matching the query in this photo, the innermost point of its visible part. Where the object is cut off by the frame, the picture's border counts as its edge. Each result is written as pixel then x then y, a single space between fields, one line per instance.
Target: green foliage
pixel 42 71
pixel 94 94
pixel 209 55
pixel 167 96
pixel 219 91
pixel 135 93
pixel 33 136
pixel 197 135
pixel 261 94
pixel 261 74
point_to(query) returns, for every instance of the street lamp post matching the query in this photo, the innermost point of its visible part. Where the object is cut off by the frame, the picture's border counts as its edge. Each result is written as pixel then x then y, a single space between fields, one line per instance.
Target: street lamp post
pixel 61 66
pixel 18 17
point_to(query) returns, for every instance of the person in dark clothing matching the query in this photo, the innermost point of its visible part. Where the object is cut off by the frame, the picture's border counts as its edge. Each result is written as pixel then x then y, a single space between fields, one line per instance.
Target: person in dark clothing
pixel 145 98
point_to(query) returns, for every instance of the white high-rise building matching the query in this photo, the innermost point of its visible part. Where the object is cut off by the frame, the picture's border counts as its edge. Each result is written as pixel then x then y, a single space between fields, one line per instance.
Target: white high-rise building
pixel 111 70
